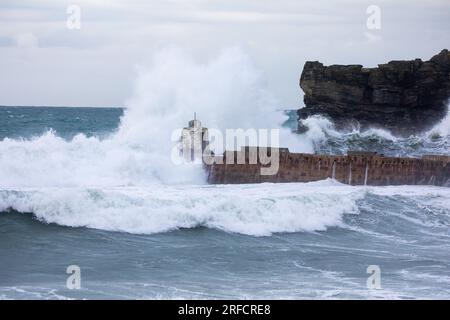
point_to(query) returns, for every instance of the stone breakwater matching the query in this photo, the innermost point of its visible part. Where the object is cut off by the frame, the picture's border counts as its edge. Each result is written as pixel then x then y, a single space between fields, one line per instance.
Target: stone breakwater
pixel 404 97
pixel 355 168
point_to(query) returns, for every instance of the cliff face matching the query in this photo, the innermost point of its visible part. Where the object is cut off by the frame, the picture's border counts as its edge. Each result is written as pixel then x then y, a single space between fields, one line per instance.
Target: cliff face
pixel 404 97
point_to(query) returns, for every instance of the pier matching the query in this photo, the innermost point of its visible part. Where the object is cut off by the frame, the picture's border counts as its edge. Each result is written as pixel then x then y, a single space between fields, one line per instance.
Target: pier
pixel 354 168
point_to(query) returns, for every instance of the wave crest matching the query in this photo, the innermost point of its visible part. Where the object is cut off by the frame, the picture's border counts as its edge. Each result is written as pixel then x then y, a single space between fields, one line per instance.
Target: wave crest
pixel 257 210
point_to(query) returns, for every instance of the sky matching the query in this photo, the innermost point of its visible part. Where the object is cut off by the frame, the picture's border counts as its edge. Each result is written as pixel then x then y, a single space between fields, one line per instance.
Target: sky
pixel 45 62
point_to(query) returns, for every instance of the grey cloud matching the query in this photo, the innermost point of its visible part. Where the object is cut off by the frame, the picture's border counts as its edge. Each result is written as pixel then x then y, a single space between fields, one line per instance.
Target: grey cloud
pixel 279 35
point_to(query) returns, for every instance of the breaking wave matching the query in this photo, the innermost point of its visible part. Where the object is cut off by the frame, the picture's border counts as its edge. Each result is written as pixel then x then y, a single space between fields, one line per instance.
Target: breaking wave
pixel 326 139
pixel 248 209
pixel 257 210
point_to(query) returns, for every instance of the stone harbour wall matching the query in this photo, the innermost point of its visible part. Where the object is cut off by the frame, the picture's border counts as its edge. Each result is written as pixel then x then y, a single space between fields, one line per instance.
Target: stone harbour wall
pixel 355 168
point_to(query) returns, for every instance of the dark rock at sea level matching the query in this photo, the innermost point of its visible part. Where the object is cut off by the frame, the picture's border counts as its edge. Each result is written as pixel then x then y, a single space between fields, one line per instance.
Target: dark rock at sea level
pixel 405 97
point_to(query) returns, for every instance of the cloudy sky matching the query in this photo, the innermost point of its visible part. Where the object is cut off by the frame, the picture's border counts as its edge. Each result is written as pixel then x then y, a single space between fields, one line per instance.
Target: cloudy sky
pixel 43 62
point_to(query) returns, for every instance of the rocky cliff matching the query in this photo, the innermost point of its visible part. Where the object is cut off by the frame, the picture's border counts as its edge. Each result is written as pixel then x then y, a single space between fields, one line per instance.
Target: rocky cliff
pixel 404 97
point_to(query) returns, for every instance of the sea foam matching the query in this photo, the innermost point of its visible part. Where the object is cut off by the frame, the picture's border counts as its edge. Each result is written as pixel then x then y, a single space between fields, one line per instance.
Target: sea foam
pixel 257 210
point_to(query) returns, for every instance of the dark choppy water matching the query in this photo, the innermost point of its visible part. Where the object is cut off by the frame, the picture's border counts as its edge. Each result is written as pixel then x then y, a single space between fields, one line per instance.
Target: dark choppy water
pixel 94 200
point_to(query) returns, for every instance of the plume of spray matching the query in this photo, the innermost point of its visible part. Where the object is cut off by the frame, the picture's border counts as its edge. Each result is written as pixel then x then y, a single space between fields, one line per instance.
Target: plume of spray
pixel 225 92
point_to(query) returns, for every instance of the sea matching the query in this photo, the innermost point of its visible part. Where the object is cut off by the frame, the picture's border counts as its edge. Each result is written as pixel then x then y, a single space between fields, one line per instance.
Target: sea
pixel 91 207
